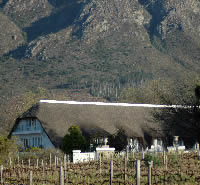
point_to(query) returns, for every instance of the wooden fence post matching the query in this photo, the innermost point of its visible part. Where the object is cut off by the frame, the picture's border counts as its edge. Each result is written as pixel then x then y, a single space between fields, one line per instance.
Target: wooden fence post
pixel 133 154
pixel 55 161
pixel 150 172
pixel 100 163
pixel 1 174
pixel 43 172
pixel 10 161
pixel 37 161
pixel 164 157
pixel 43 169
pixel 111 171
pixel 65 165
pixel 127 152
pixel 125 169
pixel 138 172
pixel 142 153
pixel 22 164
pixel 31 178
pixel 29 162
pixel 197 146
pixel 166 162
pixel 50 160
pixel 61 176
pixel 65 161
pixel 18 160
pixel 68 160
pixel 198 153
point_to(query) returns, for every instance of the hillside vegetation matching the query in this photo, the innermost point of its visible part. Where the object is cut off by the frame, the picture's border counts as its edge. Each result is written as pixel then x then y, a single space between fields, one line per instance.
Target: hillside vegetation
pixel 99 46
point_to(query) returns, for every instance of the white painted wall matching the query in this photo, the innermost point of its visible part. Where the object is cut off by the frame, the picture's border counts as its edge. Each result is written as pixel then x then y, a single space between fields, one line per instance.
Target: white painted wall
pixel 83 157
pixel 31 134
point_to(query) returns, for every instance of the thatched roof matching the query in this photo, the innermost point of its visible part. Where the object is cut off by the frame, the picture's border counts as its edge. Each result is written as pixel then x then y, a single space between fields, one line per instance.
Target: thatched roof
pixel 94 118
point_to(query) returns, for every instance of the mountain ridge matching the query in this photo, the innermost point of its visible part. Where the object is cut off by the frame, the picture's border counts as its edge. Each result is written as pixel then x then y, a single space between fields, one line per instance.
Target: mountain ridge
pixel 95 44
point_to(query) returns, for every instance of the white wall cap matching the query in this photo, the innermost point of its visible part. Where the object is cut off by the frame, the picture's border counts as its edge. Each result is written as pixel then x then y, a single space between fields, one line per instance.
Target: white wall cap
pixel 76 151
pixel 105 149
pixel 172 148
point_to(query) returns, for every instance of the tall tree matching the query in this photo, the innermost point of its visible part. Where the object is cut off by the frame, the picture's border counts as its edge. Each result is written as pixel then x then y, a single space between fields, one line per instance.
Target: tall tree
pixel 182 121
pixel 74 140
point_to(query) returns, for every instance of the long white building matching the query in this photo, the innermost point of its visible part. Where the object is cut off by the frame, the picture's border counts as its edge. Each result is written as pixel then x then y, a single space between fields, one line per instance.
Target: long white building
pixel 45 124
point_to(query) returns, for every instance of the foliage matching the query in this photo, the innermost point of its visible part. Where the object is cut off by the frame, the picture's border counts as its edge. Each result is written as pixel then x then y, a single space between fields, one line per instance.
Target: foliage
pixel 182 121
pixel 74 140
pixel 36 152
pixel 118 140
pixel 17 105
pixel 147 93
pixel 152 157
pixel 7 148
pixel 155 91
pixel 34 149
pixel 173 159
pixel 160 92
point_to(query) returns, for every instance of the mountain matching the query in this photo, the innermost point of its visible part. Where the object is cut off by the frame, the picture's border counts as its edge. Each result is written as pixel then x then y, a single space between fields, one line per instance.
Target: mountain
pixel 11 36
pixel 98 45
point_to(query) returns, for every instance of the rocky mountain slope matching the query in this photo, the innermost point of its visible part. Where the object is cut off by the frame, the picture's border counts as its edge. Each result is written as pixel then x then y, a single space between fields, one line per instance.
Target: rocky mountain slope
pixel 10 35
pixel 98 44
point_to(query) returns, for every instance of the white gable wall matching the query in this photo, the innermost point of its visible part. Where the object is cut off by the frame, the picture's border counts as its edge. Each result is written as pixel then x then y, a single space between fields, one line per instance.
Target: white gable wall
pixel 31 134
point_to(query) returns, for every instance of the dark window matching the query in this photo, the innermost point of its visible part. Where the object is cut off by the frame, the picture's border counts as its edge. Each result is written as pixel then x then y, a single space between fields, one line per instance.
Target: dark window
pixel 25 143
pixel 38 141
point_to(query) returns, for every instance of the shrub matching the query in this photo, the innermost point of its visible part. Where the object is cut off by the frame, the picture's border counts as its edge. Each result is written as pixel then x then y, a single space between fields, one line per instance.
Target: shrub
pixel 173 159
pixel 118 140
pixel 8 147
pixel 152 157
pixel 74 140
pixel 36 152
pixel 33 149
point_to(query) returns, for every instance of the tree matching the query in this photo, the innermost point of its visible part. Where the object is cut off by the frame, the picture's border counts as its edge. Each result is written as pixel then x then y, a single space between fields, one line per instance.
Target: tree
pixel 185 91
pixel 14 106
pixel 7 148
pixel 162 91
pixel 182 121
pixel 152 92
pixel 118 140
pixel 74 140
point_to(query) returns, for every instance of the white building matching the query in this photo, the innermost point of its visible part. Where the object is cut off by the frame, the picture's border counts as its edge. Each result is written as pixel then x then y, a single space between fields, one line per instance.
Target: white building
pixel 32 134
pixel 46 123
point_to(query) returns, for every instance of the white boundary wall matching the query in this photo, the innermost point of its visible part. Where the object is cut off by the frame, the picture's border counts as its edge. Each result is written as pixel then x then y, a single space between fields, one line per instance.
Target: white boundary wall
pixel 79 157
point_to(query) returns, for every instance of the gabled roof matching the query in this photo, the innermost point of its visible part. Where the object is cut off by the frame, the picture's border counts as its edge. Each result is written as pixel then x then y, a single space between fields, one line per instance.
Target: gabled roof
pixel 95 118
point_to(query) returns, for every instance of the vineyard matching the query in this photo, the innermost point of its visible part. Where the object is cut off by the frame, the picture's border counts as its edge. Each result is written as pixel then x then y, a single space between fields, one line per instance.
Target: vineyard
pixel 172 169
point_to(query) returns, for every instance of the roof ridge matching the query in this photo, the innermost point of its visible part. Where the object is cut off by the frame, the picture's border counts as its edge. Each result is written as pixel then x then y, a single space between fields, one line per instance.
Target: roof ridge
pixel 113 104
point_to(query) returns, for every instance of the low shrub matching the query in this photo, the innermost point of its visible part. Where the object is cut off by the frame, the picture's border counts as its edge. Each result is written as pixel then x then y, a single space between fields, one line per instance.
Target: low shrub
pixel 152 157
pixel 8 147
pixel 173 159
